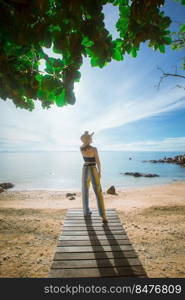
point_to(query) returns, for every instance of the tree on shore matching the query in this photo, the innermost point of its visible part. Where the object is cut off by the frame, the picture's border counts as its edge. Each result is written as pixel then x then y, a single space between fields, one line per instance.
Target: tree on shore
pixel 72 29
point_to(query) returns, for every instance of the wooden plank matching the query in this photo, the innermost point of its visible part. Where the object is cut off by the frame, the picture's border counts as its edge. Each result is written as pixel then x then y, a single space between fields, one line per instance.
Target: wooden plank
pixel 94 248
pixel 91 222
pixel 93 227
pixel 92 209
pixel 91 218
pixel 96 219
pixel 95 263
pixel 93 212
pixel 91 232
pixel 92 237
pixel 80 216
pixel 94 255
pixel 93 243
pixel 136 271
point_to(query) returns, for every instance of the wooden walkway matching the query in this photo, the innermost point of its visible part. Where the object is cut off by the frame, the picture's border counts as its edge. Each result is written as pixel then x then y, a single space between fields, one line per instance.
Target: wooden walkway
pixel 89 248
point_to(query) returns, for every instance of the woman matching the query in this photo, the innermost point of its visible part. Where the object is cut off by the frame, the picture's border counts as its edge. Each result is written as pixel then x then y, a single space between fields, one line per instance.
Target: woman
pixel 91 174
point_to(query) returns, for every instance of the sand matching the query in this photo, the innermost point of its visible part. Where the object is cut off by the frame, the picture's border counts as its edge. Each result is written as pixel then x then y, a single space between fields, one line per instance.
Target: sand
pixel 154 218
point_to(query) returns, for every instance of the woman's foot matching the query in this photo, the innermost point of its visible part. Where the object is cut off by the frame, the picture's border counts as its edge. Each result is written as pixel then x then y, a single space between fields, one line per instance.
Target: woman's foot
pixel 89 214
pixel 104 220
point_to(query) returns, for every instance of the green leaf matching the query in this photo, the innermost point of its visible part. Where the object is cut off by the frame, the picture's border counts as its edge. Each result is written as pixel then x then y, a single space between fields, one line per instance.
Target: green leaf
pixel 162 48
pixel 124 11
pixel 183 64
pixel 60 100
pixel 134 52
pixel 120 2
pixel 182 28
pixel 54 65
pixel 38 77
pixel 117 50
pixel 168 40
pixel 77 76
pixel 53 28
pixel 117 55
pixel 87 42
pixel 94 61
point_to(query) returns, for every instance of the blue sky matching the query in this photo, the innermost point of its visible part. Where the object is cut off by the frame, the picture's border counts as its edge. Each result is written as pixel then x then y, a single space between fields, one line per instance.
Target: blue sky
pixel 120 103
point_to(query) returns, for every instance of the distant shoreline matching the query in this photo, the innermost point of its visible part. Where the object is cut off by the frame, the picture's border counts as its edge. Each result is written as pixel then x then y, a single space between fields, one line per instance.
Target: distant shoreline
pixel 121 189
pixel 129 151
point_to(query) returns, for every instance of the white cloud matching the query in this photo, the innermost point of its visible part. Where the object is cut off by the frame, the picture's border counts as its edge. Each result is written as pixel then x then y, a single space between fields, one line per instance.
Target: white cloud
pixel 123 112
pixel 60 128
pixel 168 144
pixel 106 98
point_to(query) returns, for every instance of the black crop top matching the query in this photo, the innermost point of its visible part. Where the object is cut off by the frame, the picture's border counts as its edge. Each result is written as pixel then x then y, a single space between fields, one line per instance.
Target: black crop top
pixel 89 159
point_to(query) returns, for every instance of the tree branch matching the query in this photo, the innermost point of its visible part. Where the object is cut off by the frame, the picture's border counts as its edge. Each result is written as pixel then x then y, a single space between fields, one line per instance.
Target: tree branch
pixel 164 75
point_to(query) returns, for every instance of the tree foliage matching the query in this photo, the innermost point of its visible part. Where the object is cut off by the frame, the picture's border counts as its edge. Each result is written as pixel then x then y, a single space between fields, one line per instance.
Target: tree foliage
pixel 73 29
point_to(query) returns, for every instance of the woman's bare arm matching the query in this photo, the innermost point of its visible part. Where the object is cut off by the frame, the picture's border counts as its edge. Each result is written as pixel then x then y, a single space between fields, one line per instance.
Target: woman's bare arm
pixel 97 161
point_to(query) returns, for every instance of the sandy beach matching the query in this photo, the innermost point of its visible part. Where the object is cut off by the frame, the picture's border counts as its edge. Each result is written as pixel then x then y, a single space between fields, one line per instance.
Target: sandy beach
pixel 154 218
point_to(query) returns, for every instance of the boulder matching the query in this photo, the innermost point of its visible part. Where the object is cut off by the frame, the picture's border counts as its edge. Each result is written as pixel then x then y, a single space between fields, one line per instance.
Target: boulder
pixel 179 159
pixel 151 175
pixel 1 190
pixel 137 174
pixel 6 185
pixel 71 198
pixel 70 194
pixel 111 190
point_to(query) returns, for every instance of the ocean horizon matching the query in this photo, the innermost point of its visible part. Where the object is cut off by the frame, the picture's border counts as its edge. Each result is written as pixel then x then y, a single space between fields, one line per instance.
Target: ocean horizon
pixel 44 170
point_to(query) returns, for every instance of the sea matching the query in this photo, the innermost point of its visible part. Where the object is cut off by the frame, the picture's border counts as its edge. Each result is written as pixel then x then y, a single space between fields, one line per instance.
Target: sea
pixel 61 170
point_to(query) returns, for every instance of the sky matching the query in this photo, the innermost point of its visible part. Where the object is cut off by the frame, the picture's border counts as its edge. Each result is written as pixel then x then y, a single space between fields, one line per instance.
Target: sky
pixel 120 103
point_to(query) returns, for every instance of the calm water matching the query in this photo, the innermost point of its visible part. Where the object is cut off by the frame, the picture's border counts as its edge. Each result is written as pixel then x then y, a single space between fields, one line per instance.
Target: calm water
pixel 62 170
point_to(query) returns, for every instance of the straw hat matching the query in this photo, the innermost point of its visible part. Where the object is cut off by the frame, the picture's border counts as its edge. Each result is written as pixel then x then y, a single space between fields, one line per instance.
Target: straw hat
pixel 86 137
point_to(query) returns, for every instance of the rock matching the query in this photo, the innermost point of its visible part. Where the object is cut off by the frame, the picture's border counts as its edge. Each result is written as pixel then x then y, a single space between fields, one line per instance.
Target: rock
pixel 1 190
pixel 6 185
pixel 111 190
pixel 70 194
pixel 151 175
pixel 6 257
pixel 137 174
pixel 71 198
pixel 179 159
